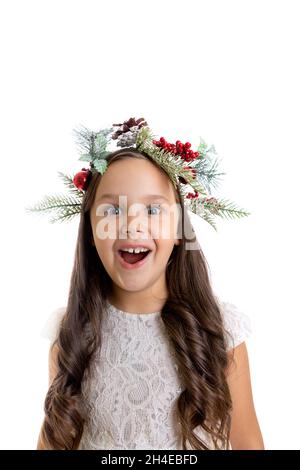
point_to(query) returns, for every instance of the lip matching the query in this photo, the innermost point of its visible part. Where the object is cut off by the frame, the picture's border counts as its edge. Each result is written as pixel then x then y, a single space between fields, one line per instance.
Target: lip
pixel 137 265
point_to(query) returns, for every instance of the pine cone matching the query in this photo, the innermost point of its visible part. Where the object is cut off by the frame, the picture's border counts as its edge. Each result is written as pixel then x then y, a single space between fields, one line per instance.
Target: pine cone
pixel 127 133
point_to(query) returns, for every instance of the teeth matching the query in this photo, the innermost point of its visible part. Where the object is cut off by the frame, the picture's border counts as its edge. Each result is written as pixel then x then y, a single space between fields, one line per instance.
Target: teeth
pixel 135 250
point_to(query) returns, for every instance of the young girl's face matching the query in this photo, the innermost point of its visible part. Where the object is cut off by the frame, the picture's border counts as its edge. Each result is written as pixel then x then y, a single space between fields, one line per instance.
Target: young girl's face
pixel 135 205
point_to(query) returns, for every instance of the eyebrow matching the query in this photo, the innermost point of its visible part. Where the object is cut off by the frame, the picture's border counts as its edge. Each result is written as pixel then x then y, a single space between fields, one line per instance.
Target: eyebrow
pixel 148 197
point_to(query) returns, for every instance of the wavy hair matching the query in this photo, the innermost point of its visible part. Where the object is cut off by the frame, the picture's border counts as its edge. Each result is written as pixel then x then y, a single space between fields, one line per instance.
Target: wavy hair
pixel 193 320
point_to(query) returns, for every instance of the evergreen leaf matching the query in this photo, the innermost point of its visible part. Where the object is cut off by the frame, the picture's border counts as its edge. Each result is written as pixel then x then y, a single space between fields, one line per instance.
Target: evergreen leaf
pixel 85 157
pixel 172 164
pixel 227 209
pixel 64 206
pixel 100 165
pixel 84 138
pixel 207 167
pixel 68 181
pixel 209 218
pixel 100 144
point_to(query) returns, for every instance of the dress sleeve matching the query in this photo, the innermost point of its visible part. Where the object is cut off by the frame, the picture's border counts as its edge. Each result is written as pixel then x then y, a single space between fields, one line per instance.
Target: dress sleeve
pixel 50 328
pixel 238 325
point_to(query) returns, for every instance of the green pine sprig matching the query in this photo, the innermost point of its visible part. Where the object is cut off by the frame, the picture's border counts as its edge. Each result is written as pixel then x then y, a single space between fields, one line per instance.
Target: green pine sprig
pixel 220 207
pixel 68 182
pixel 171 163
pixel 210 219
pixel 64 207
pixel 207 166
pixel 94 147
pixel 84 139
pixel 228 209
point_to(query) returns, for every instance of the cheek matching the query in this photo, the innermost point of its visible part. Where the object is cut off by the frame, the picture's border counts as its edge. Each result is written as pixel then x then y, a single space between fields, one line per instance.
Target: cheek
pixel 164 249
pixel 105 228
pixel 105 251
pixel 164 227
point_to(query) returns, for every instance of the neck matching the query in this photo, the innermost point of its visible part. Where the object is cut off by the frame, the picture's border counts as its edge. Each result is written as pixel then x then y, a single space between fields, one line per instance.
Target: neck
pixel 138 302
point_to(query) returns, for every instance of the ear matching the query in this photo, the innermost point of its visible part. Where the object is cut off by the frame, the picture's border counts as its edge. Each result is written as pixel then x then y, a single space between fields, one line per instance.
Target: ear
pixel 177 241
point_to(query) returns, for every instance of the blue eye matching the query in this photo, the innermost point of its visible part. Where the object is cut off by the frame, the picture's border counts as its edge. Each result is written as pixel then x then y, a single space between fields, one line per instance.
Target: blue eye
pixel 155 208
pixel 111 210
pixel 106 211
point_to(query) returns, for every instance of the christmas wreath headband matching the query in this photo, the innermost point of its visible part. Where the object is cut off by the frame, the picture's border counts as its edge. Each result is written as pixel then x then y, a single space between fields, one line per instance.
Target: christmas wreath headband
pixel 187 169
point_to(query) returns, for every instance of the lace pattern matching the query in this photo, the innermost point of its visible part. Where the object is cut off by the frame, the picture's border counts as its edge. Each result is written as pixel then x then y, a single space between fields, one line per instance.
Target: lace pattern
pixel 132 385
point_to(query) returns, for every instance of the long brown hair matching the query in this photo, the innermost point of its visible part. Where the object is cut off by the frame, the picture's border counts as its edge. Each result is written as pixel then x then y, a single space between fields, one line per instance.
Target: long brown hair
pixel 193 321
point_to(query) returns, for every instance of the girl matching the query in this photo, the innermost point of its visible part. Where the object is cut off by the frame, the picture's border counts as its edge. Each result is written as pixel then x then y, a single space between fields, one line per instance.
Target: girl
pixel 144 355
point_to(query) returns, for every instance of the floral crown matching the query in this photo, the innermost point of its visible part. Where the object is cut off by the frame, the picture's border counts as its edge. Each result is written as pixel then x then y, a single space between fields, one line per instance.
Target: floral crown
pixel 187 169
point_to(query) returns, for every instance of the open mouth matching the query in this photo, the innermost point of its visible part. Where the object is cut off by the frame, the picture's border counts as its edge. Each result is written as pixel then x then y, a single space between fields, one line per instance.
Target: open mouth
pixel 133 258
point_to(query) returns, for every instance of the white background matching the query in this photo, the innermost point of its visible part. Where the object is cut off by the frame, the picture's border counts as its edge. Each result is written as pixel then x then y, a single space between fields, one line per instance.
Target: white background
pixel 227 71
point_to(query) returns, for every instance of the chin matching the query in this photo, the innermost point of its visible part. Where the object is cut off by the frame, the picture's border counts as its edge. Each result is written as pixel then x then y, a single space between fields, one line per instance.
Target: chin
pixel 131 285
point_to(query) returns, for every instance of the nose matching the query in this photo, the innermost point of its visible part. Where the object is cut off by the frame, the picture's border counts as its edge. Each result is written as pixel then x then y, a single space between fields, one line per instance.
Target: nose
pixel 132 224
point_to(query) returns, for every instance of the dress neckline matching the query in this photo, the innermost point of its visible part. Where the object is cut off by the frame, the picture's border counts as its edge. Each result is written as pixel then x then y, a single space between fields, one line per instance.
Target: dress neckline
pixel 130 315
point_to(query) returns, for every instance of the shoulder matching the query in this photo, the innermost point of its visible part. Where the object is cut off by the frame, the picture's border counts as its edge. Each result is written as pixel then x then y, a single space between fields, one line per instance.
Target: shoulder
pixel 51 326
pixel 237 324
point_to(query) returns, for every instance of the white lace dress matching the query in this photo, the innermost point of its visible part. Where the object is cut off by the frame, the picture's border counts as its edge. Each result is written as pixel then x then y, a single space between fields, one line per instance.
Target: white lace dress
pixel 133 383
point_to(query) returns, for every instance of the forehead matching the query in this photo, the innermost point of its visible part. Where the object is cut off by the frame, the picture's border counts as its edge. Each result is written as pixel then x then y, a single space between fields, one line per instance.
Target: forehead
pixel 136 178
